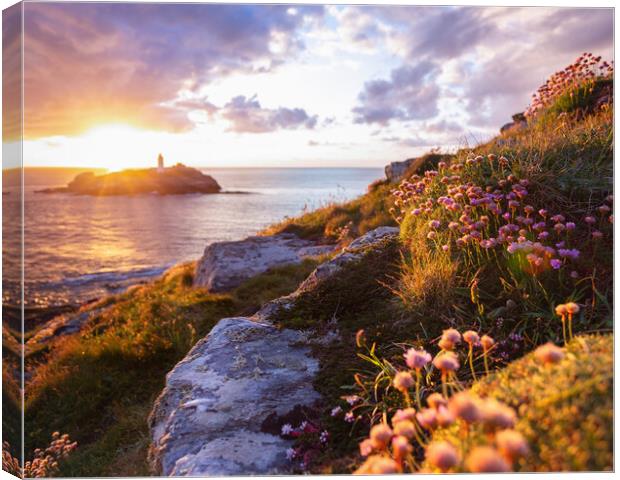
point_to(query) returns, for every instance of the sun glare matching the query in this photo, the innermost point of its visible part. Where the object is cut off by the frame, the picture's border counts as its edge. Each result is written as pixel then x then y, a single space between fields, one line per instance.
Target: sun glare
pixel 117 146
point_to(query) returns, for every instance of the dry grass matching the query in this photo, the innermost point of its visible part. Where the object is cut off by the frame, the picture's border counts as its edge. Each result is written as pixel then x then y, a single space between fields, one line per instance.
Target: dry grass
pixel 427 280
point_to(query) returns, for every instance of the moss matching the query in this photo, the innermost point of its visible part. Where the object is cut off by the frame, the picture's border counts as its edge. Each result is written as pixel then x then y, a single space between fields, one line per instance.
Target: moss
pixel 565 410
pixel 356 284
pixel 255 292
pixel 357 297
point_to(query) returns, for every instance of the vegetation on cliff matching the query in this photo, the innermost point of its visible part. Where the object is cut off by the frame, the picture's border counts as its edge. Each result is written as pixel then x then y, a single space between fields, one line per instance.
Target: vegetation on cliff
pixel 504 249
pixel 511 242
pixel 99 386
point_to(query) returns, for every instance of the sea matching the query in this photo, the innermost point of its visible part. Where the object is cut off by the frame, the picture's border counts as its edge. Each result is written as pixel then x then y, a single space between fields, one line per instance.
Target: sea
pixel 80 248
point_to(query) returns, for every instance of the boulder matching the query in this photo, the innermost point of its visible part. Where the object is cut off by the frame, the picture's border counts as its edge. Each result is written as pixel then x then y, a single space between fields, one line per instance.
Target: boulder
pixel 395 171
pixel 210 418
pixel 225 265
pixel 518 121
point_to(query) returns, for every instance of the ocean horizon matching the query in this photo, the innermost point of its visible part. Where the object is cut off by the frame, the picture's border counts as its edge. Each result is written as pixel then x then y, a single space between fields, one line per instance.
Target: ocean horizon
pixel 79 248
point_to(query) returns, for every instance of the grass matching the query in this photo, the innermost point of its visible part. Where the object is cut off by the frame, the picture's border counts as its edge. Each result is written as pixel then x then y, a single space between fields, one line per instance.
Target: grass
pixel 568 164
pixel 569 172
pixel 356 297
pixel 565 410
pixel 11 412
pixel 342 222
pixel 428 161
pixel 99 386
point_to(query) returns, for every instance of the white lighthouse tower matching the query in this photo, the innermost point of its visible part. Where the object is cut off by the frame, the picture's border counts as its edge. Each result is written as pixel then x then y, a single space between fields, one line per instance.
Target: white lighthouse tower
pixel 160 163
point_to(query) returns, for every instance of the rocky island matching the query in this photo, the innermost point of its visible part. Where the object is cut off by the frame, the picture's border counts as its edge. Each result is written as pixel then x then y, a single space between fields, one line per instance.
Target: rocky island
pixel 175 180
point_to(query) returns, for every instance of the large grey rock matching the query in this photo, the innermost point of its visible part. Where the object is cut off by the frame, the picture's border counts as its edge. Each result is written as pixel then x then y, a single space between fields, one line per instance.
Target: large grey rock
pixel 352 253
pixel 225 265
pixel 207 420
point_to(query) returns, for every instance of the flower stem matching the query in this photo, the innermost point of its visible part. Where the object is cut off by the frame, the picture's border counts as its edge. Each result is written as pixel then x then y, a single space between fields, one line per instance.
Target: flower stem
pixel 471 360
pixel 418 379
pixel 564 329
pixel 407 398
pixel 444 386
pixel 486 361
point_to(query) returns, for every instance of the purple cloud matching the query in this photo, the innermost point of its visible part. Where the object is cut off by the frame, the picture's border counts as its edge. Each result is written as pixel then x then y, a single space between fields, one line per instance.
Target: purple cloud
pixel 88 63
pixel 247 116
pixel 11 72
pixel 501 54
pixel 410 94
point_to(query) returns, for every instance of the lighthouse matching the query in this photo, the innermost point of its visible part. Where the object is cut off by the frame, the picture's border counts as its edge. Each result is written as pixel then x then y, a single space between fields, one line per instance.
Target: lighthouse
pixel 160 163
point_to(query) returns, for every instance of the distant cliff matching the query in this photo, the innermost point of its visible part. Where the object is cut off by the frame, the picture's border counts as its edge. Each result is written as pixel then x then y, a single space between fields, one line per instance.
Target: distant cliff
pixel 170 181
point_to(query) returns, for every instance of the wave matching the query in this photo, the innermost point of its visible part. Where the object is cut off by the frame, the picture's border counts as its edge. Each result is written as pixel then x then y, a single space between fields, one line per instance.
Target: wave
pixel 113 276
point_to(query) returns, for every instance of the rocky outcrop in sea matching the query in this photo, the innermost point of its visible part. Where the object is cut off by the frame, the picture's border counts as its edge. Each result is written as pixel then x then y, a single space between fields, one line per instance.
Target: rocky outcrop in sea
pixel 175 180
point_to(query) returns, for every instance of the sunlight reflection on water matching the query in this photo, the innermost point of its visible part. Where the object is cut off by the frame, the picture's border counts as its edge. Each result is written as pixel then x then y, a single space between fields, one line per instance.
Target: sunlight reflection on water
pixel 80 247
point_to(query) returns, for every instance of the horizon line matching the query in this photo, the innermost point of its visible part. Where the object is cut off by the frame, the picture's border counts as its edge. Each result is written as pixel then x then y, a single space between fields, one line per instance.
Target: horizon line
pixel 54 167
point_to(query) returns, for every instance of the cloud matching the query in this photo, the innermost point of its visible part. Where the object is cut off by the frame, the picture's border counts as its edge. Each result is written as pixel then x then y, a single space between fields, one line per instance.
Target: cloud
pixel 444 127
pixel 89 63
pixel 150 65
pixel 247 116
pixel 11 73
pixel 487 60
pixel 410 94
pixel 446 32
pixel 197 104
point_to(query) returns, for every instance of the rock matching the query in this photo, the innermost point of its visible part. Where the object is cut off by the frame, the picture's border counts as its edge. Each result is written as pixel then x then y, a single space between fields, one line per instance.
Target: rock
pixel 394 171
pixel 208 418
pixel 372 238
pixel 510 126
pixel 352 253
pixel 518 121
pixel 170 181
pixel 207 421
pixel 225 265
pixel 61 325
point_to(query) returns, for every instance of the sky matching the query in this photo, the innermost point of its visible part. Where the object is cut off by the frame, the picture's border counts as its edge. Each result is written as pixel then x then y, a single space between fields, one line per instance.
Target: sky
pixel 112 85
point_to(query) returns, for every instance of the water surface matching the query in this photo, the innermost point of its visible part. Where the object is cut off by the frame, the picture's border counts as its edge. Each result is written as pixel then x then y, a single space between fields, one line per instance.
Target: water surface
pixel 79 247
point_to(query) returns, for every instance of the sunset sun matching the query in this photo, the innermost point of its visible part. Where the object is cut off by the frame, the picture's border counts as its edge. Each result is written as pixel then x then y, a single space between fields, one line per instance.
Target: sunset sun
pixel 117 145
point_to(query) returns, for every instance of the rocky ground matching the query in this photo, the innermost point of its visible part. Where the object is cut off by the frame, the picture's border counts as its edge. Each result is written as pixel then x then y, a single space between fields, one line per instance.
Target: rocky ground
pixel 209 418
